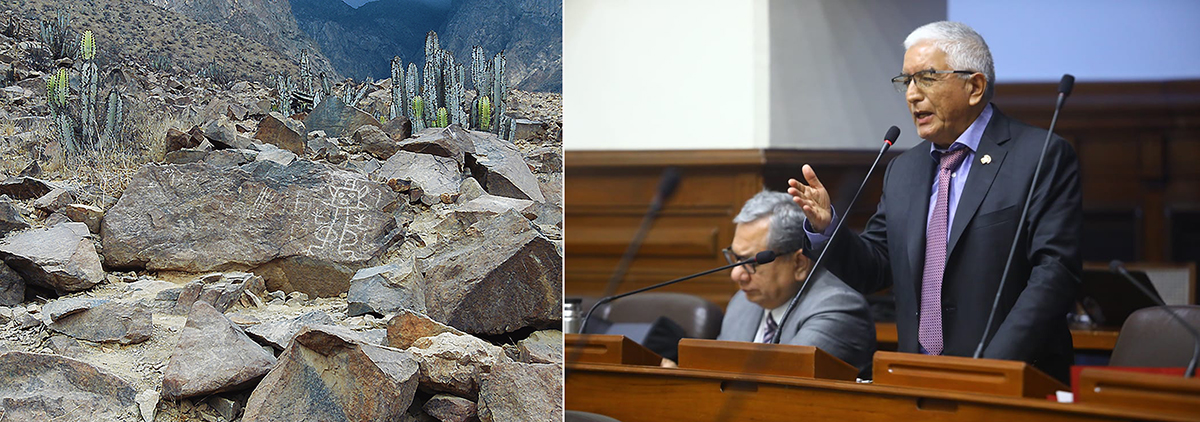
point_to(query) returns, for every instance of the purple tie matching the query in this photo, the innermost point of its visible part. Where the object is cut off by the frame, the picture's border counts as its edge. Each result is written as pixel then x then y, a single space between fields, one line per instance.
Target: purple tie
pixel 930 334
pixel 772 328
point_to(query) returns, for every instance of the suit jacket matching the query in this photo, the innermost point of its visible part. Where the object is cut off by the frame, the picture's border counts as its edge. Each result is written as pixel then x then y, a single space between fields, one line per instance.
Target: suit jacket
pixel 1030 323
pixel 830 316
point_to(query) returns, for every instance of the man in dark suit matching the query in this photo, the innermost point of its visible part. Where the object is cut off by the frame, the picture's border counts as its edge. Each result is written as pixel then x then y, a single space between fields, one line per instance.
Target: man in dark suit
pixel 948 214
pixel 831 316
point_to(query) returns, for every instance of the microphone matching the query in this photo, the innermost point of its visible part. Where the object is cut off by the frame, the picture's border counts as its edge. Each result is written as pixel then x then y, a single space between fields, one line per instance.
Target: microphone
pixel 666 188
pixel 888 139
pixel 1064 89
pixel 759 258
pixel 1119 268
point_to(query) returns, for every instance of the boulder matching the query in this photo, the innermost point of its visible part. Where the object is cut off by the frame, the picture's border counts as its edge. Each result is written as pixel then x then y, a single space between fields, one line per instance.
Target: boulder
pixel 426 178
pixel 185 156
pixel 275 154
pixel 107 322
pixel 305 227
pixel 517 391
pixel 176 140
pixel 62 258
pixel 386 289
pixel 375 142
pixel 528 130
pixel 408 326
pixel 24 187
pixel 399 128
pixel 452 142
pixel 545 160
pixel 230 157
pixel 279 334
pixel 41 387
pixel 216 289
pixel 286 133
pixel 448 408
pixel 222 133
pixel 337 119
pixel 498 278
pixel 57 309
pixel 213 355
pixel 455 364
pixel 502 170
pixel 86 214
pixel 327 374
pixel 542 347
pixel 12 287
pixel 10 217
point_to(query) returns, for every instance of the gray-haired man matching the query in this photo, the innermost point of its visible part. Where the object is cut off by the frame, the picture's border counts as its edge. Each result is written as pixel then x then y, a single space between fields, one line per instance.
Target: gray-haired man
pixel 831 315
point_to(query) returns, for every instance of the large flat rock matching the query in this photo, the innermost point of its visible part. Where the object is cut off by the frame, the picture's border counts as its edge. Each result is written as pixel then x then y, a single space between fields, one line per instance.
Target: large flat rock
pixel 40 387
pixel 309 226
pixel 62 258
pixel 213 355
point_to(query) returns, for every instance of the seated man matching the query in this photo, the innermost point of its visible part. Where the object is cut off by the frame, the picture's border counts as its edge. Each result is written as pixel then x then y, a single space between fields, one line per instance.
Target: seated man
pixel 830 316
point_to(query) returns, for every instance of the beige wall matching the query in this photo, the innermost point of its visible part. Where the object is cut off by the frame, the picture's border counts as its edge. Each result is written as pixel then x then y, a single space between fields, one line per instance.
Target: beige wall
pixel 735 74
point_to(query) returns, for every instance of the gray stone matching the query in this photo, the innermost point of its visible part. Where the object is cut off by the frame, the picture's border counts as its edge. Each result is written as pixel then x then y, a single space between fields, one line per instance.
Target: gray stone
pixel 230 157
pixel 426 178
pixel 223 135
pixel 407 326
pixel 119 322
pixel 279 333
pixel 10 217
pixel 521 392
pixel 62 258
pixel 213 355
pixel 6 315
pixel 228 409
pixel 448 408
pixel 12 287
pixel 323 375
pixel 542 347
pixel 176 140
pixel 528 130
pixel 399 128
pixel 25 188
pixel 504 170
pixel 470 189
pixel 65 346
pixel 185 156
pixel 66 306
pixel 455 364
pixel 23 320
pixel 375 142
pixel 54 200
pixel 221 293
pixel 148 404
pixel 452 142
pixel 284 132
pixel 86 214
pixel 274 154
pixel 501 276
pixel 386 289
pixel 545 160
pixel 336 118
pixel 305 227
pixel 41 387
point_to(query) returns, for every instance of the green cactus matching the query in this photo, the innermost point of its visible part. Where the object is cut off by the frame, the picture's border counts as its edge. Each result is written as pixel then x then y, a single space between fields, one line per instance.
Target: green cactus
pixel 112 120
pixel 87 46
pixel 499 88
pixel 418 109
pixel 485 113
pixel 442 118
pixel 89 83
pixel 66 133
pixel 56 35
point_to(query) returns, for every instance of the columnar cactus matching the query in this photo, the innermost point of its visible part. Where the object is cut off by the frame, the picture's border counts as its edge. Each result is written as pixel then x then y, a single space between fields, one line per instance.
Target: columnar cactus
pixel 431 45
pixel 410 95
pixel 485 113
pixel 429 90
pixel 112 120
pixel 87 46
pixel 499 88
pixel 456 96
pixel 306 76
pixel 443 119
pixel 418 109
pixel 89 83
pixel 399 100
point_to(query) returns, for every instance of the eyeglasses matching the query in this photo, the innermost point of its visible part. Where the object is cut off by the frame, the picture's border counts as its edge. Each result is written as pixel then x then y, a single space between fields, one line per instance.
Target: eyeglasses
pixel 924 78
pixel 734 258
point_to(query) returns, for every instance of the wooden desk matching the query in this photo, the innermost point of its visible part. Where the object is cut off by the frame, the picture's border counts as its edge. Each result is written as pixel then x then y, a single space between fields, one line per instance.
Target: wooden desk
pixel 1101 339
pixel 639 393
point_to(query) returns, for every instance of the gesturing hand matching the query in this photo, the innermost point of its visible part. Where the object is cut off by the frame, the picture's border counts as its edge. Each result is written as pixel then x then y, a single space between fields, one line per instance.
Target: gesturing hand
pixel 813 199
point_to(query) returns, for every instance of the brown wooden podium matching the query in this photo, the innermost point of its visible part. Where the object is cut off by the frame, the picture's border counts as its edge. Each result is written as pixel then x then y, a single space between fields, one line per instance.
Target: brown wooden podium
pixel 990 376
pixel 710 386
pixel 1171 394
pixel 767 359
pixel 608 348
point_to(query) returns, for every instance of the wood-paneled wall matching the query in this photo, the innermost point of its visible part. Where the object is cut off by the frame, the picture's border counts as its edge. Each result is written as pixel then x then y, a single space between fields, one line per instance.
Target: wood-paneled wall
pixel 1139 149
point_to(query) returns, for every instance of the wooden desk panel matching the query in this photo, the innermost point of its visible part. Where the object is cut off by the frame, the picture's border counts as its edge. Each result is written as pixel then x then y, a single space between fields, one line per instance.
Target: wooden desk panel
pixel 1103 340
pixel 632 394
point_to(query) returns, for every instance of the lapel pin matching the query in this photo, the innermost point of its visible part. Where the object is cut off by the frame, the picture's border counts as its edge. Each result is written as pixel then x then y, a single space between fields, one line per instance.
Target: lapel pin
pixel 986 159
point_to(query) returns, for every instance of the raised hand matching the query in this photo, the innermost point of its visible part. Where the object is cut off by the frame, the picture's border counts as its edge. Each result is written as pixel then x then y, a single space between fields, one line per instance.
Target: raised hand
pixel 813 199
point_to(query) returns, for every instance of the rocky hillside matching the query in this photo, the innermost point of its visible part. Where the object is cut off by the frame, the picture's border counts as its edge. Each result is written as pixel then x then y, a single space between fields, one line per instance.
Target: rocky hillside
pixel 361 42
pixel 267 22
pixel 224 262
pixel 137 31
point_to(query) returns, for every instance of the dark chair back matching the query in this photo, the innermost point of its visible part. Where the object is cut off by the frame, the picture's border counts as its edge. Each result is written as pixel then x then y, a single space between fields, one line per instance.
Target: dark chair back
pixel 699 317
pixel 1152 338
